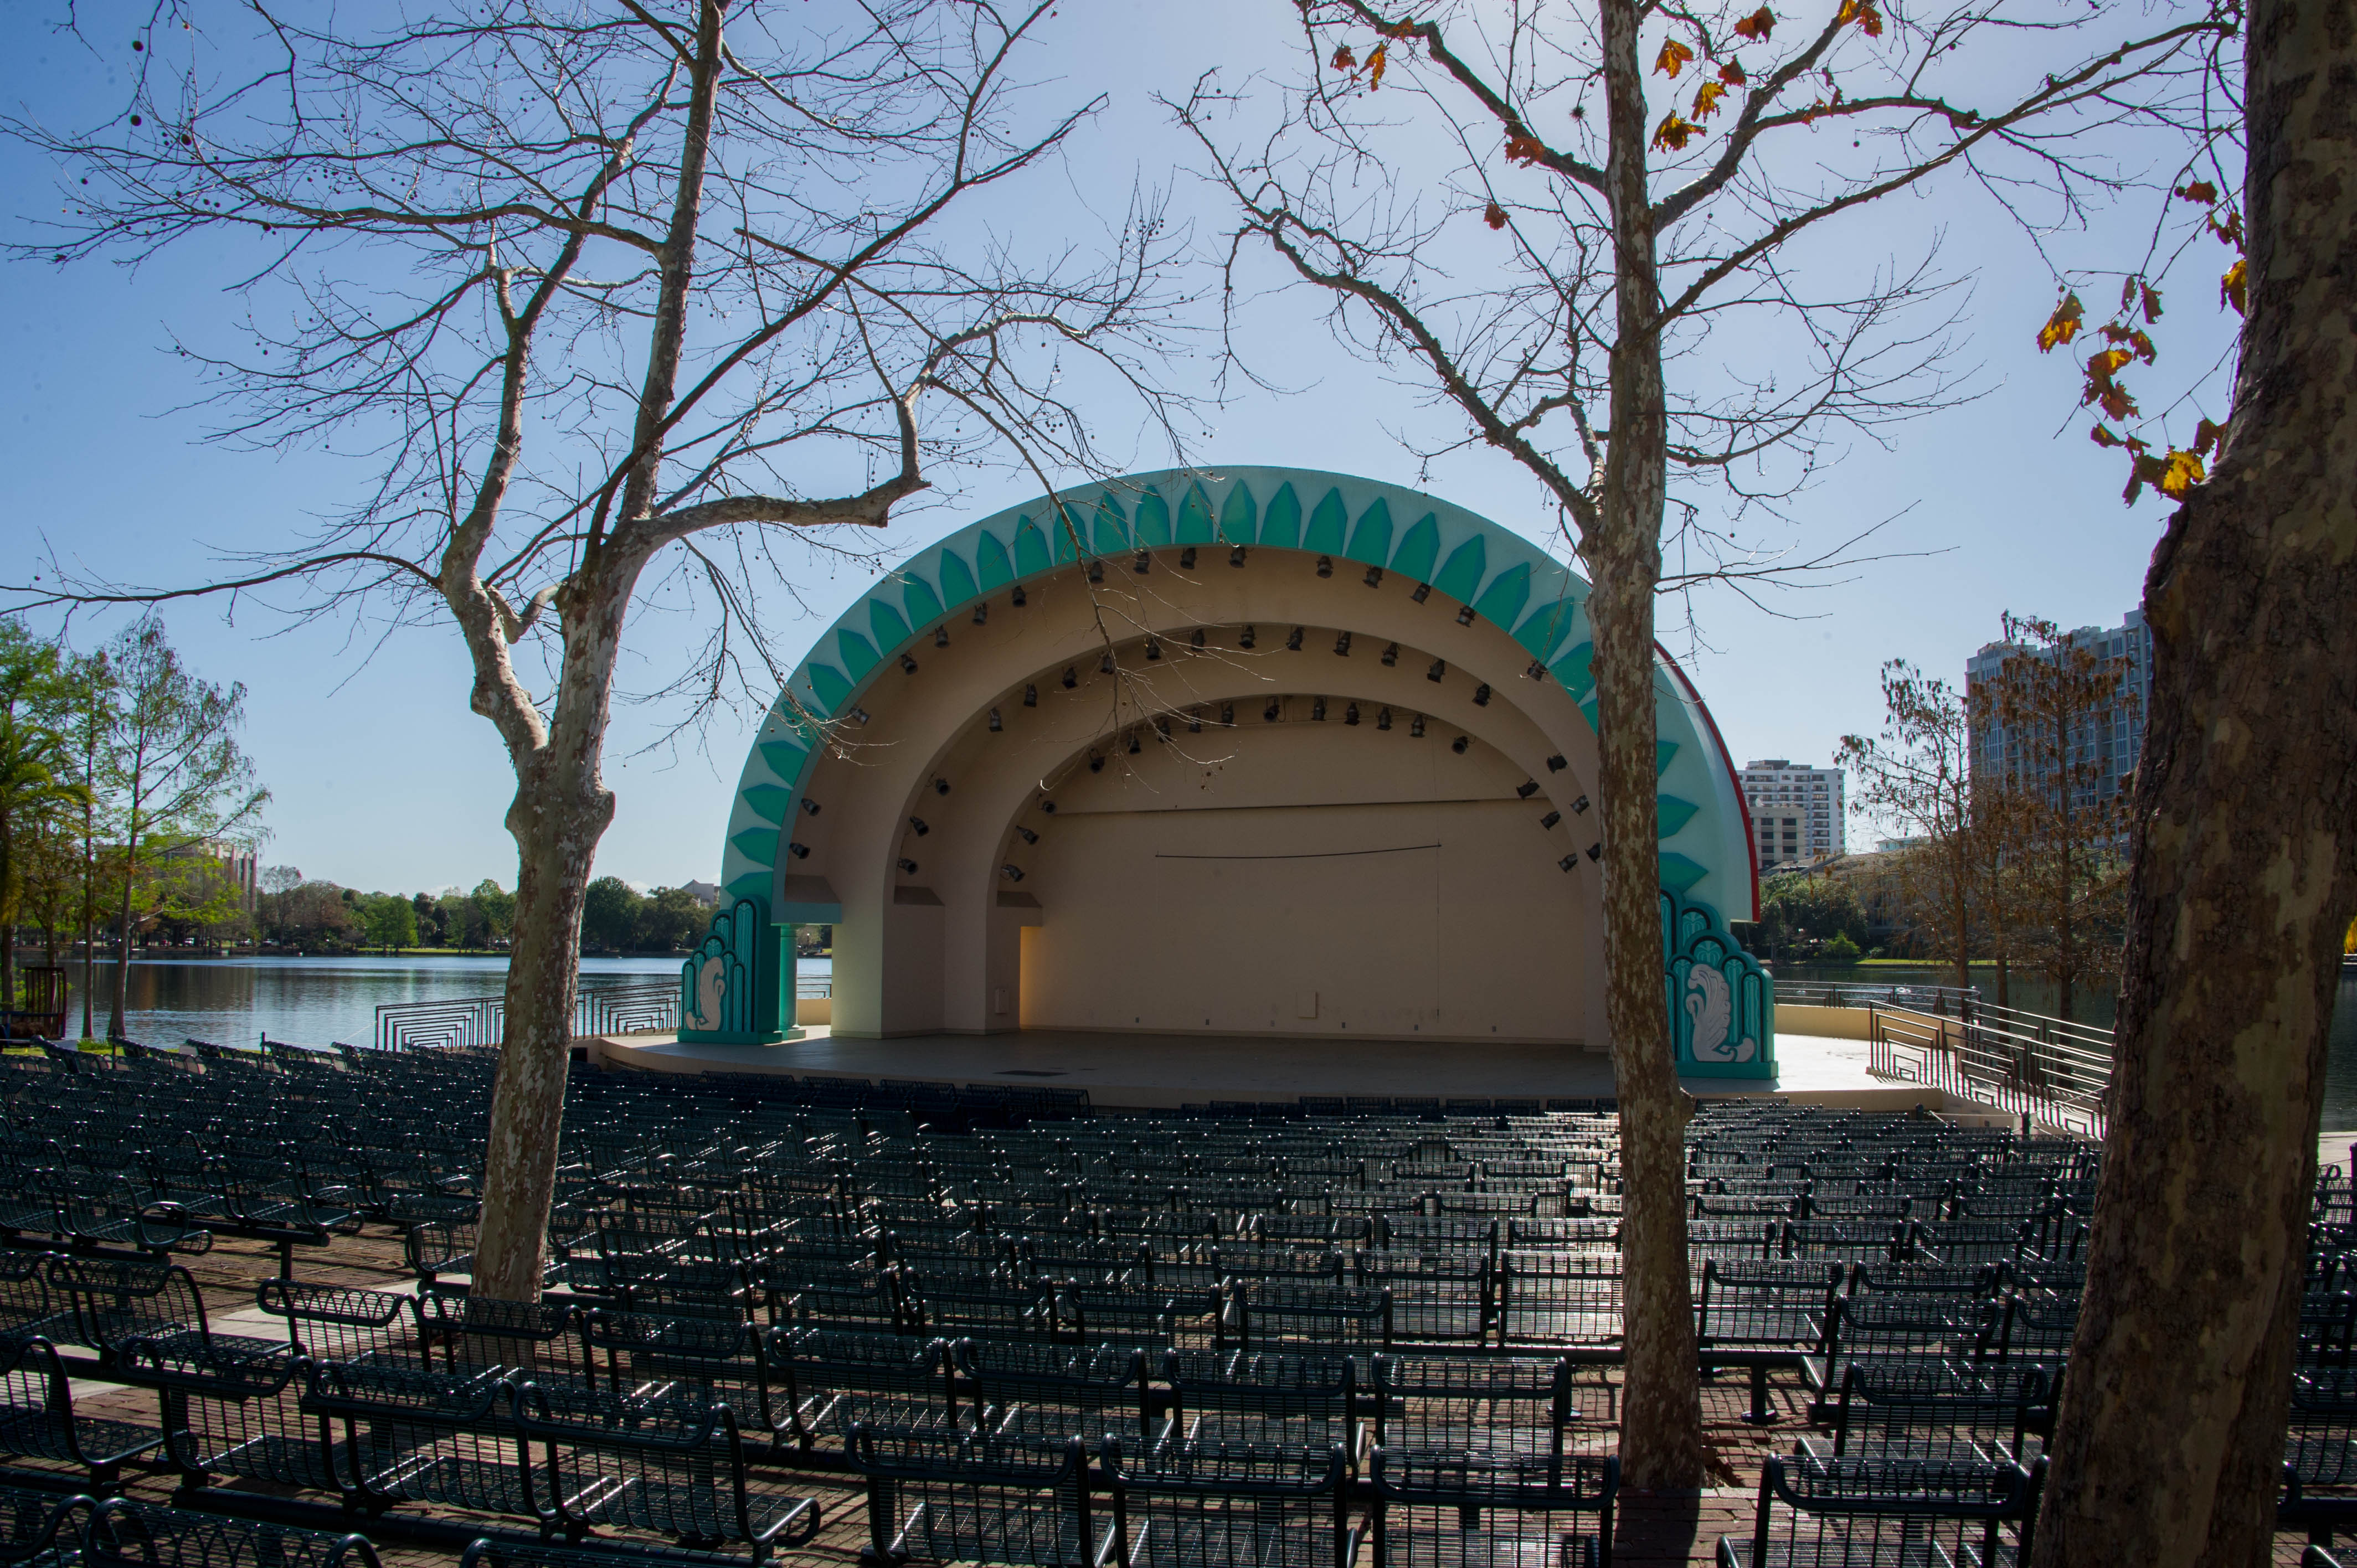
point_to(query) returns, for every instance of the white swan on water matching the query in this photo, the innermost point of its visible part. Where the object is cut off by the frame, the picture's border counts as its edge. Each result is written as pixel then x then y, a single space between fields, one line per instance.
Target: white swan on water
pixel 711 984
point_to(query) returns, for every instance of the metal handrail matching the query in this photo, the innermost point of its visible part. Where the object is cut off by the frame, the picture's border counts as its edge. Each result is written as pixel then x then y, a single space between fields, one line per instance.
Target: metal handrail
pixel 482 1021
pixel 2059 1081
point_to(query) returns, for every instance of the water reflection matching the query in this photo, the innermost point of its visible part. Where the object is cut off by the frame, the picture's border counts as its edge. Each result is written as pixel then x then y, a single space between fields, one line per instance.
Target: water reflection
pixel 312 1001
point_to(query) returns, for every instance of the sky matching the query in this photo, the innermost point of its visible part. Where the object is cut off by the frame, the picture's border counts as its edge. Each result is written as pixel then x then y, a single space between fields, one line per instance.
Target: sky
pixel 383 778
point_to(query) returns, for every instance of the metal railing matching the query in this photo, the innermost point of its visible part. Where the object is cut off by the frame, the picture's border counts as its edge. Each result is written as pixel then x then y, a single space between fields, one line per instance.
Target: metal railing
pixel 1942 1000
pixel 482 1020
pixel 597 1010
pixel 2051 1070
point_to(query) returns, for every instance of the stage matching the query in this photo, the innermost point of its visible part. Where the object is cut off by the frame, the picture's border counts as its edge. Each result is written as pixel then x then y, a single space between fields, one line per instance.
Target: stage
pixel 1164 1071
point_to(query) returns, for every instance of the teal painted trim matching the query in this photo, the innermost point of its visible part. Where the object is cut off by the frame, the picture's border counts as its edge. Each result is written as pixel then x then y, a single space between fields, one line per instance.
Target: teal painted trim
pixel 1546 627
pixel 1371 538
pixel 1067 532
pixel 784 760
pixel 1664 752
pixel 993 571
pixel 1674 814
pixel 1419 549
pixel 1280 525
pixel 1153 531
pixel 759 845
pixel 1195 525
pixel 1031 554
pixel 1575 671
pixel 957 583
pixel 858 654
pixel 1679 874
pixel 1239 516
pixel 769 801
pixel 891 630
pixel 924 606
pixel 736 987
pixel 1325 534
pixel 1722 1004
pixel 750 885
pixel 1112 537
pixel 830 686
pixel 1468 564
pixel 1501 603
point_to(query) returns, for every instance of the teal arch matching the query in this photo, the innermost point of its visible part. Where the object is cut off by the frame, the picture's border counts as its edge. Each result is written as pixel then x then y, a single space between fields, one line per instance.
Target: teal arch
pixel 1705 853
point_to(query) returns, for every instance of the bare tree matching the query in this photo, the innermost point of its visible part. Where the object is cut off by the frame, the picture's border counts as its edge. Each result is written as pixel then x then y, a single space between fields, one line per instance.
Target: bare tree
pixel 2169 1446
pixel 1625 243
pixel 623 293
pixel 1918 777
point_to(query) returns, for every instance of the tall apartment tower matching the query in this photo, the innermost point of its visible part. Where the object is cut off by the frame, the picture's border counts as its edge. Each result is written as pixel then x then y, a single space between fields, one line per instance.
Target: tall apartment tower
pixel 2114 739
pixel 1796 812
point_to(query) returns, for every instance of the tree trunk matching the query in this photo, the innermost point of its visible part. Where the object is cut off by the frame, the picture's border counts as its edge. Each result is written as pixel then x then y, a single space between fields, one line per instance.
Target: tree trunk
pixel 2243 877
pixel 115 1012
pixel 88 912
pixel 1661 1411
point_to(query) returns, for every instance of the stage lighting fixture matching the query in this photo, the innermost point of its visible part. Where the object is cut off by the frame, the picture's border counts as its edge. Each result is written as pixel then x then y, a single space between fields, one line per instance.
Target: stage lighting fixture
pixel 1374 577
pixel 1194 721
pixel 1012 872
pixel 799 851
pixel 859 717
pixel 1197 641
pixel 1227 714
pixel 1459 745
pixel 1142 563
pixel 1550 820
pixel 1153 651
pixel 1325 565
pixel 1105 662
pixel 1162 726
pixel 1382 718
pixel 997 724
pixel 1538 672
pixel 941 786
pixel 1350 714
pixel 981 612
pixel 1071 678
pixel 1187 558
pixel 920 826
pixel 1415 728
pixel 1027 835
pixel 1596 850
pixel 1096 763
pixel 907 665
pixel 1465 616
pixel 1423 592
pixel 1236 557
pixel 1293 640
pixel 1018 599
pixel 1580 807
pixel 809 807
pixel 1569 862
pixel 1391 656
pixel 1030 695
pixel 1343 644
pixel 1096 570
pixel 1556 763
pixel 1481 695
pixel 1245 640
pixel 1134 748
pixel 1048 807
pixel 941 635
pixel 1318 709
pixel 1527 787
pixel 1268 715
pixel 1439 667
pixel 908 865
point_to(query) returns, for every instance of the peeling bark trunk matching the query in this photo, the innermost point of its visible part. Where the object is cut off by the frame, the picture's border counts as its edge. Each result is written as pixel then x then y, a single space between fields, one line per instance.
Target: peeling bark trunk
pixel 2244 872
pixel 1660 1432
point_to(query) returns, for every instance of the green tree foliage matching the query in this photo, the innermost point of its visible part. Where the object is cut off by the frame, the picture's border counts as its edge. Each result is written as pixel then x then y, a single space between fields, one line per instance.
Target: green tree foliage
pixel 617 918
pixel 1802 913
pixel 391 921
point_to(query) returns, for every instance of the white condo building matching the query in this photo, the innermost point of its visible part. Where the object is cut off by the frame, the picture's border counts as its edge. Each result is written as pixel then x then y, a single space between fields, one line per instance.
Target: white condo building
pixel 1796 812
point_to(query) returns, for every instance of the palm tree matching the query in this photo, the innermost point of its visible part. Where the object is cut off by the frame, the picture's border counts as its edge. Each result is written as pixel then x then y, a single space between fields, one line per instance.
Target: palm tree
pixel 30 758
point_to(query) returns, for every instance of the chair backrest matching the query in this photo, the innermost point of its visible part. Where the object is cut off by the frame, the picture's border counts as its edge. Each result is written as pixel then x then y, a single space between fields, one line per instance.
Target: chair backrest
pixel 966 1498
pixel 1235 1503
pixel 675 1466
pixel 35 1524
pixel 337 1323
pixel 1416 1398
pixel 117 1300
pixel 127 1534
pixel 1097 1388
pixel 1463 1487
pixel 1849 1510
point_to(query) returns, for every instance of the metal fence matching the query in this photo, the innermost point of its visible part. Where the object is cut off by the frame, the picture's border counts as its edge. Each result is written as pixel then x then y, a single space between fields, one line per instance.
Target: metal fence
pixel 1941 1001
pixel 2051 1070
pixel 597 1010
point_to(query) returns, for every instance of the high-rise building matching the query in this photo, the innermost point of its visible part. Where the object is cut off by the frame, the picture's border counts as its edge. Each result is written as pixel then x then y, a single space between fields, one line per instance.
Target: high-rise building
pixel 1796 812
pixel 2110 741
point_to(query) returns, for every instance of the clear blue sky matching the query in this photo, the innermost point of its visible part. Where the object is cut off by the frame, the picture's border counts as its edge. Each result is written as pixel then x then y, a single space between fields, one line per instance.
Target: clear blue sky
pixel 382 777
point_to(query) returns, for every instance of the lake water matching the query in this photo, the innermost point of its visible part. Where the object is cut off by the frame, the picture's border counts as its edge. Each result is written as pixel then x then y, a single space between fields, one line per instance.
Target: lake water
pixel 314 1001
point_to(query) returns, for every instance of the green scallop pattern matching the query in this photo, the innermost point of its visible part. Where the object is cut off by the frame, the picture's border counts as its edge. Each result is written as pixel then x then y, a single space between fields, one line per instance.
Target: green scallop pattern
pixel 1706 856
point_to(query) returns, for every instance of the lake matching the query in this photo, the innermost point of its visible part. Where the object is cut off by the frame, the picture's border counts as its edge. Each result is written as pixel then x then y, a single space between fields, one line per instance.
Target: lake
pixel 314 1001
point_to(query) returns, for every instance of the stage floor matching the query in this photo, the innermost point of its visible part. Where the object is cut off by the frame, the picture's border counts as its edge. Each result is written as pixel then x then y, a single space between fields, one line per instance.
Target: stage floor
pixel 1164 1071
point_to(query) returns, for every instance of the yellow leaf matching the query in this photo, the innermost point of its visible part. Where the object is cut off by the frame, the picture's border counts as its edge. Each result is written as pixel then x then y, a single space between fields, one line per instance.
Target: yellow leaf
pixel 1862 11
pixel 1706 99
pixel 2180 473
pixel 2232 289
pixel 2105 362
pixel 1672 57
pixel 1757 25
pixel 1672 133
pixel 2063 326
pixel 1376 60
